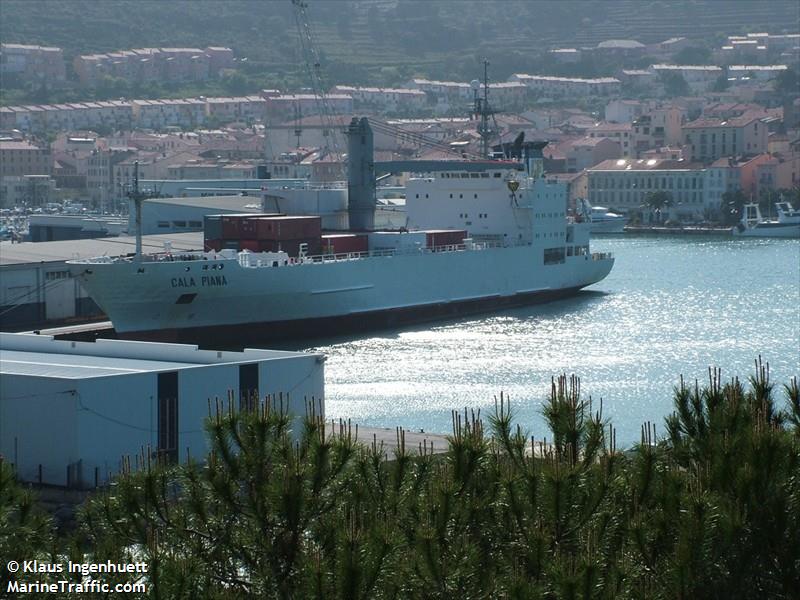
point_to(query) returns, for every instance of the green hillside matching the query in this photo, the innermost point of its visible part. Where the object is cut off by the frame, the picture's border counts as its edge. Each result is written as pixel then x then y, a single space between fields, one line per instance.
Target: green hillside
pixel 380 41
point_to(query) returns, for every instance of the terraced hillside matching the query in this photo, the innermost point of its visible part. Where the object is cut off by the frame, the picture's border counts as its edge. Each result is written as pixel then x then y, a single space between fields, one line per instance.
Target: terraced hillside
pixel 382 41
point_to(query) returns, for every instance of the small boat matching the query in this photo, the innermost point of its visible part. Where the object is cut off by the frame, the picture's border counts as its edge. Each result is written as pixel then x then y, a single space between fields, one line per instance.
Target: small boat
pixel 754 225
pixel 602 219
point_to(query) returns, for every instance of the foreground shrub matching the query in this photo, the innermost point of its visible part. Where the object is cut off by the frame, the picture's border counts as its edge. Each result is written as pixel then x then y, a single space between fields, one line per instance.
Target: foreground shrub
pixel 711 509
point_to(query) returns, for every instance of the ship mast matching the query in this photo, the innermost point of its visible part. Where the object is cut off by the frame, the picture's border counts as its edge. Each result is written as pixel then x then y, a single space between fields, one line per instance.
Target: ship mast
pixel 137 198
pixel 483 110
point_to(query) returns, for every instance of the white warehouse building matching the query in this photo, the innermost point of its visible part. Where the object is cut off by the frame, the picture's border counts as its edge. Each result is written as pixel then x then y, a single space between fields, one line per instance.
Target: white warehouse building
pixel 70 411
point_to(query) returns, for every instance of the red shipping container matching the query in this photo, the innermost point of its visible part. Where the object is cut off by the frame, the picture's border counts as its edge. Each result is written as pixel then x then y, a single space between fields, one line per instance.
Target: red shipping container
pixel 288 227
pixel 444 237
pixel 252 245
pixel 242 225
pixel 342 243
pixel 231 225
pixel 215 245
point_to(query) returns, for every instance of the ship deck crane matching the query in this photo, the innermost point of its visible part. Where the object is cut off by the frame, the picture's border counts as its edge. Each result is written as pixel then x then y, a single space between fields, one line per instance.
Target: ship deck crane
pixel 308 47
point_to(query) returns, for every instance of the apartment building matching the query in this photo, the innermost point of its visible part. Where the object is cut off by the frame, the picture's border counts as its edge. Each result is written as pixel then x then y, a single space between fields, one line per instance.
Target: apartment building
pixel 709 138
pixel 657 128
pixel 238 108
pixel 618 132
pixel 283 107
pixel 563 86
pixel 755 72
pixel 566 55
pixel 624 111
pixel 389 99
pixel 30 190
pixel 638 80
pixel 154 64
pixel 19 157
pixel 700 78
pixel 42 64
pixel 624 185
pixel 451 90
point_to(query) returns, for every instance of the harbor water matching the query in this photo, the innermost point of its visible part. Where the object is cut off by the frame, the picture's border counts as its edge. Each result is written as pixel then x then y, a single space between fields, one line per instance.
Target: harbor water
pixel 671 306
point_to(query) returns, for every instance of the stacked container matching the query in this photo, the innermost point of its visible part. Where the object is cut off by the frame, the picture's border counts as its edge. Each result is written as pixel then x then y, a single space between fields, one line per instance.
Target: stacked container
pixel 344 243
pixel 263 233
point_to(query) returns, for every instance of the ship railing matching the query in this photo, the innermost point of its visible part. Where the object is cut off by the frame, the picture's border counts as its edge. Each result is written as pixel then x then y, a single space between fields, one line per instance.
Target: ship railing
pixel 408 251
pixel 602 255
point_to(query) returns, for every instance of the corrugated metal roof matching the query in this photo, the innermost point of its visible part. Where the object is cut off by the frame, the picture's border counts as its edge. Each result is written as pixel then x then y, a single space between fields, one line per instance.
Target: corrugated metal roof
pixel 35 252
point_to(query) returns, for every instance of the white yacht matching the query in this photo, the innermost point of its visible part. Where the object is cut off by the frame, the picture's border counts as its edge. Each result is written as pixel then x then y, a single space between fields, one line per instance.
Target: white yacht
pixel 601 219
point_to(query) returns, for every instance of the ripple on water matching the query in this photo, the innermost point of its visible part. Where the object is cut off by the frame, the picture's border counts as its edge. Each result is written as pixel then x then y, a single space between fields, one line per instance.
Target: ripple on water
pixel 670 306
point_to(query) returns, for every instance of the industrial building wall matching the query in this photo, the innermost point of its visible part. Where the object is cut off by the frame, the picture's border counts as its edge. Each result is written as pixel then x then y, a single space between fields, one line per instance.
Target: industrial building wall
pixel 298 378
pixel 119 414
pixel 38 426
pixel 161 217
pixel 117 418
pixel 79 430
pixel 34 295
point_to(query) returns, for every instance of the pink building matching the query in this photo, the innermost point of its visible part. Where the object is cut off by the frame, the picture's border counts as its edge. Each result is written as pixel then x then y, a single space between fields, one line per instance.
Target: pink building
pixel 710 138
pixel 618 132
pixel 589 151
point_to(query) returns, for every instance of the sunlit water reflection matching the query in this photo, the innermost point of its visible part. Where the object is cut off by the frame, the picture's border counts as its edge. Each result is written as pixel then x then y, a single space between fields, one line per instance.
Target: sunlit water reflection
pixel 671 306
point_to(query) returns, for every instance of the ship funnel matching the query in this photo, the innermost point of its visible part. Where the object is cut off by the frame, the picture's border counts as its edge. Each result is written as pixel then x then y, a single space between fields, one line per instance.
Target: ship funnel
pixel 360 175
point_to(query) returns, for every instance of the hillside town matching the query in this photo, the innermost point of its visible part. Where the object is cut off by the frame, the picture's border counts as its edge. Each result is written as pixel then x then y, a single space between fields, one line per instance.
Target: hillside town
pixel 710 136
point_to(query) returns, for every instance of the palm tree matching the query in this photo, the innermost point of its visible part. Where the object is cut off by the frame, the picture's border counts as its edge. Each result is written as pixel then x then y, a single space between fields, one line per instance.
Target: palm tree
pixel 658 200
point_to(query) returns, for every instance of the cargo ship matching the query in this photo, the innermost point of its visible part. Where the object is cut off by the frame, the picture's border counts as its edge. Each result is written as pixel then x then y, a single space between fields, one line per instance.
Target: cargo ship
pixel 480 235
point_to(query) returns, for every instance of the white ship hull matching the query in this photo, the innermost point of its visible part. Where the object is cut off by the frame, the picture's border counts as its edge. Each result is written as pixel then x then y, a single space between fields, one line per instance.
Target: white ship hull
pixel 521 248
pixel 753 225
pixel 177 299
pixel 608 226
pixel 788 230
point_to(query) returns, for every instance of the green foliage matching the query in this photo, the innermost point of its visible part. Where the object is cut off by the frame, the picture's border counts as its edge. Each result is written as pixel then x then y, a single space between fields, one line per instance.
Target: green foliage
pixel 657 201
pixel 674 84
pixel 434 39
pixel 692 55
pixel 709 510
pixel 787 82
pixel 721 84
pixel 26 532
pixel 732 205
